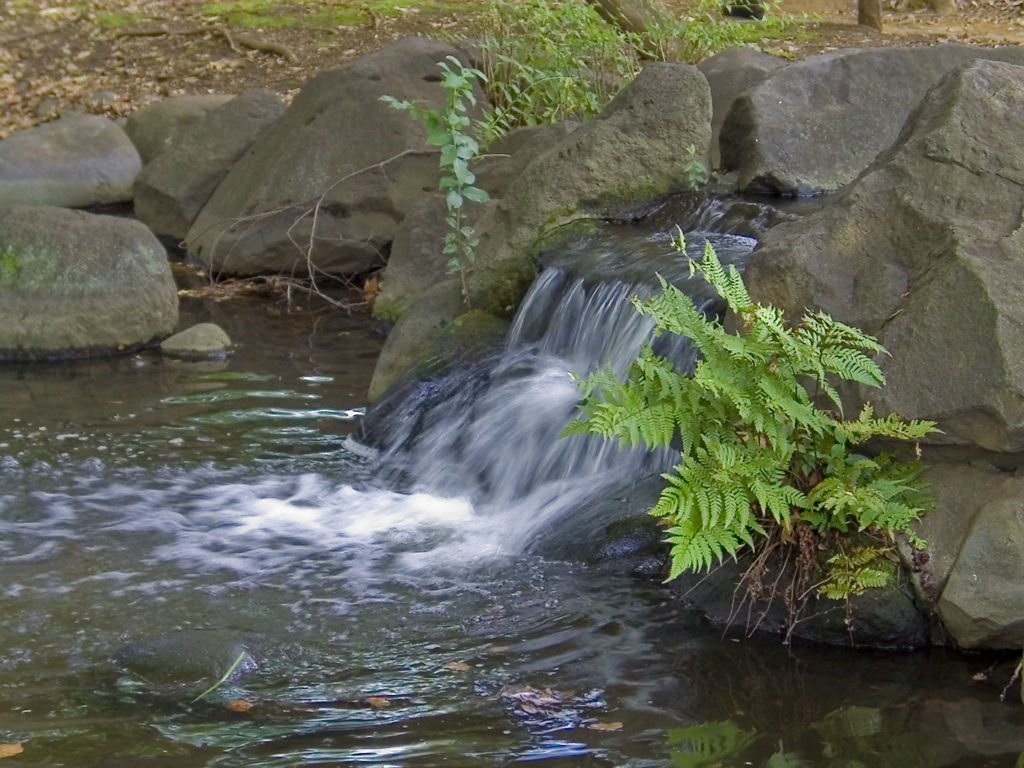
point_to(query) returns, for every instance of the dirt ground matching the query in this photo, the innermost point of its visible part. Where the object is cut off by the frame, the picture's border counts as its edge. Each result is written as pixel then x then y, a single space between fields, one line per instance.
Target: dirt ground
pixel 113 56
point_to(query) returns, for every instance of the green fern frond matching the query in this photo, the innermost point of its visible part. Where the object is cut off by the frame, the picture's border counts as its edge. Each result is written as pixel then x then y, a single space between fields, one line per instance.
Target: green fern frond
pixel 751 437
pixel 697 550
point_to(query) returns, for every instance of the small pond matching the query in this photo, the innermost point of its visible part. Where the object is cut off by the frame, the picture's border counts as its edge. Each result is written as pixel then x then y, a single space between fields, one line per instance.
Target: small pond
pixel 386 625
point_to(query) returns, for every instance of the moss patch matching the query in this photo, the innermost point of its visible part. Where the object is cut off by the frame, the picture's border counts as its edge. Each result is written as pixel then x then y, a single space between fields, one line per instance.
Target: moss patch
pixel 10 268
pixel 114 21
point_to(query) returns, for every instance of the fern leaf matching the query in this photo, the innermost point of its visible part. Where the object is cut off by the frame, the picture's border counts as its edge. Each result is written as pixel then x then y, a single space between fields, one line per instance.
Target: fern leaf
pixel 696 550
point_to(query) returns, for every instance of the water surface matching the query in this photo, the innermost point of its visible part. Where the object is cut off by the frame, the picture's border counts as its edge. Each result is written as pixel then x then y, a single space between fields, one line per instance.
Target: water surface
pixel 395 623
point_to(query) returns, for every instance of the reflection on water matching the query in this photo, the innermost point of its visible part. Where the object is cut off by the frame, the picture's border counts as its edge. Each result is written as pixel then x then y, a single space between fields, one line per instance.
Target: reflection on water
pixel 229 507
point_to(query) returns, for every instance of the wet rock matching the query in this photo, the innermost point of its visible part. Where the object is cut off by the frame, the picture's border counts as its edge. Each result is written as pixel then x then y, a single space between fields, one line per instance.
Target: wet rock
pixel 613 532
pixel 414 339
pixel 359 187
pixel 76 284
pixel 204 341
pixel 886 618
pixel 814 125
pixel 190 658
pixel 154 128
pixel 77 161
pixel 172 189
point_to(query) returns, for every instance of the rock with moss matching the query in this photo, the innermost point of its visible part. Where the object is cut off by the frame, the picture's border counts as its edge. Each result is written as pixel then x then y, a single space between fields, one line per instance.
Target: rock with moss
pixel 634 150
pixel 418 262
pixel 413 340
pixel 75 284
pixel 435 331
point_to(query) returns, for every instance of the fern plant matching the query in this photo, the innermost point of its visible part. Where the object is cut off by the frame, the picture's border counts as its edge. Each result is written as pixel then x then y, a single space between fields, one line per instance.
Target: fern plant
pixel 755 448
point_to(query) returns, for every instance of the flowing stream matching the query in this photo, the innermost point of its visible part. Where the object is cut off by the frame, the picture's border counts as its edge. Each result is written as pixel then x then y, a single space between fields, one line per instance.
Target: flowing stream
pixel 379 599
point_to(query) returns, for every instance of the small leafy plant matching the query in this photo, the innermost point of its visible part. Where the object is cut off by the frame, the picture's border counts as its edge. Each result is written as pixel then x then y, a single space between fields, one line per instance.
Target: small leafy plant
pixel 548 61
pixel 447 129
pixel 703 32
pixel 756 452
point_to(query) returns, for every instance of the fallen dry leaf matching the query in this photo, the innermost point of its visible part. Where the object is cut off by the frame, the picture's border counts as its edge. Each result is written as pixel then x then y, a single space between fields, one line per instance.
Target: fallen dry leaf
pixel 599 726
pixel 10 750
pixel 378 702
pixel 239 705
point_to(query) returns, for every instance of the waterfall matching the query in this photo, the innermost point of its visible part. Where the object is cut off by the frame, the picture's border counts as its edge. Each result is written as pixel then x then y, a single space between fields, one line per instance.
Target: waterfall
pixel 489 432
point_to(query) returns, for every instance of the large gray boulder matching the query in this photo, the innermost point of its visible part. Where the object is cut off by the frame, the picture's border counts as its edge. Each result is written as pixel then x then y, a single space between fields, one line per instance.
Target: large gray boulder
pixel 508 156
pixel 815 125
pixel 729 74
pixel 634 150
pixel 926 251
pixel 172 189
pixel 154 128
pixel 326 186
pixel 74 284
pixel 73 162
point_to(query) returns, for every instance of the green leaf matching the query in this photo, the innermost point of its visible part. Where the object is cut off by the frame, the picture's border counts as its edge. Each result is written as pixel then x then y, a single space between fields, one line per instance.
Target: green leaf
pixel 475 194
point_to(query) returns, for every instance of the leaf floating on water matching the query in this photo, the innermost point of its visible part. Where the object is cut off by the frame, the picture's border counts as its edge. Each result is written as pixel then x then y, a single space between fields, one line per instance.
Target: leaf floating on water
pixel 599 726
pixel 239 705
pixel 456 666
pixel 378 702
pixel 10 750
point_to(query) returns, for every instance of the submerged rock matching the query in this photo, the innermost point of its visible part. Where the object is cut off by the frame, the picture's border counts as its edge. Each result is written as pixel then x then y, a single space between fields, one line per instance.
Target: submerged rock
pixel 190 658
pixel 203 341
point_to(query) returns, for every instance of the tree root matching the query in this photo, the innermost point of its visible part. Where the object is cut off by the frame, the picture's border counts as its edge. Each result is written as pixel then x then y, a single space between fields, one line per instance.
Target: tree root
pixel 245 41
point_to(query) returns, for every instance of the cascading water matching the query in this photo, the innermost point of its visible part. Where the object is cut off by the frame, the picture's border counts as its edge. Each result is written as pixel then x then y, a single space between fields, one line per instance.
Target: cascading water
pixel 489 431
pixel 181 518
